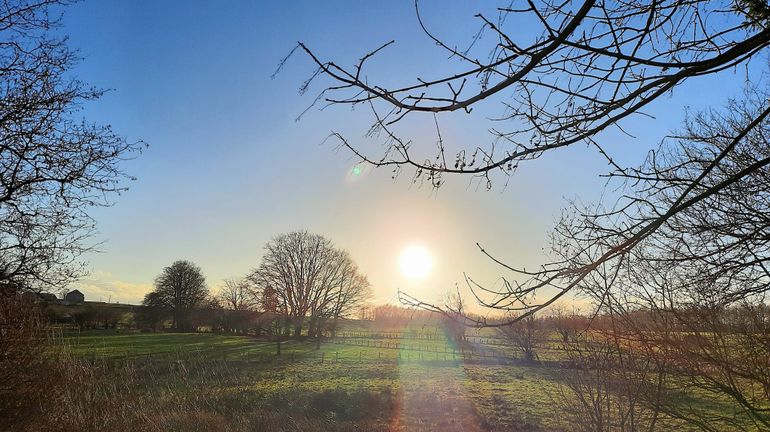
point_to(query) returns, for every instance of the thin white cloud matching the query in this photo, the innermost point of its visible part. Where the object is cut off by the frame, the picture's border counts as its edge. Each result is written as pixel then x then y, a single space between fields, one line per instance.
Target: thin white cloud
pixel 104 286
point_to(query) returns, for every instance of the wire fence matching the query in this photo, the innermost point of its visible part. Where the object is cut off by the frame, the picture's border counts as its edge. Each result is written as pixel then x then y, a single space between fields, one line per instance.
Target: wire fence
pixel 320 357
pixel 408 345
pixel 427 336
pixel 380 346
pixel 371 351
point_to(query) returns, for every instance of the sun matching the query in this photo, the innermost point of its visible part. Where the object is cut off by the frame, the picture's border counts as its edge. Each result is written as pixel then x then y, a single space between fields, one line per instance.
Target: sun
pixel 415 262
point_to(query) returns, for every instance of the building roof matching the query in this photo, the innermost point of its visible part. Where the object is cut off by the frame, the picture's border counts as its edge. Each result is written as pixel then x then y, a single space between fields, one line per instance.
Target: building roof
pixel 48 296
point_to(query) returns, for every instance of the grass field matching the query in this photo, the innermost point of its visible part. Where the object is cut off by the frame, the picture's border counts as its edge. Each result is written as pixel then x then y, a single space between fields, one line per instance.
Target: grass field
pixel 423 382
pixel 363 383
pixel 111 344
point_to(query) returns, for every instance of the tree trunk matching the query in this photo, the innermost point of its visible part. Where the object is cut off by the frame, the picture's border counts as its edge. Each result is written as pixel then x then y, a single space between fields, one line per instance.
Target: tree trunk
pixel 311 326
pixel 334 328
pixel 319 331
pixel 298 329
pixel 286 327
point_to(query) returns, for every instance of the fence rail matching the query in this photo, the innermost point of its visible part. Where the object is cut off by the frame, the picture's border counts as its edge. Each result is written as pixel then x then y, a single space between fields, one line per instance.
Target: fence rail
pixel 321 357
pixel 382 348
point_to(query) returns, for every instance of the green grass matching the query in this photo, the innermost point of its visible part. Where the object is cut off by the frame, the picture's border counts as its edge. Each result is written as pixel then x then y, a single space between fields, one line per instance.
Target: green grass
pixel 417 380
pixel 113 345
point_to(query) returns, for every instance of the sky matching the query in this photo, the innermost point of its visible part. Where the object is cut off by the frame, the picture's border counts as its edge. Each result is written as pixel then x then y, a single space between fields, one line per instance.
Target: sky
pixel 229 166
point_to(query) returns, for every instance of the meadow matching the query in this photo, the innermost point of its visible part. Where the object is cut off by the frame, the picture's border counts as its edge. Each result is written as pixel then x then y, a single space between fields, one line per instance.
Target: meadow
pixel 413 380
pixel 412 387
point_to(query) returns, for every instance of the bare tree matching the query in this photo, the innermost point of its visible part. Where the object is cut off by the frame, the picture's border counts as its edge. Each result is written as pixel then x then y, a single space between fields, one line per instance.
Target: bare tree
pixel 527 334
pixel 453 321
pixel 290 265
pixel 238 307
pixel 53 166
pixel 690 229
pixel 676 287
pixel 611 388
pixel 309 278
pixel 341 291
pixel 696 208
pixel 723 352
pixel 179 289
pixel 589 66
pixel 568 325
pixel 592 65
pixel 237 295
pixel 631 369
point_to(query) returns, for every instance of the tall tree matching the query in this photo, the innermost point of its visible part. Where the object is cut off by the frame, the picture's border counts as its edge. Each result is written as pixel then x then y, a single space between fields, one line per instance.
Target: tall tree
pixel 309 278
pixel 54 166
pixel 342 288
pixel 179 289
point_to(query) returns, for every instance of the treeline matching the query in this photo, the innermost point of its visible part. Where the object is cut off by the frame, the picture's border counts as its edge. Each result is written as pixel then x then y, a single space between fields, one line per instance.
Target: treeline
pixel 396 317
pixel 303 286
pixel 90 315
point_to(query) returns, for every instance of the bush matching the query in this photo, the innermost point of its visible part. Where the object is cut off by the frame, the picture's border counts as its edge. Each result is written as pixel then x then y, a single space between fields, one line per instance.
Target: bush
pixel 22 365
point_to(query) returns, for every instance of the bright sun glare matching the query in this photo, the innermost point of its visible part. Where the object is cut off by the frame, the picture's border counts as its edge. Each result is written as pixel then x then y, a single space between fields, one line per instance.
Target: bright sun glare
pixel 415 262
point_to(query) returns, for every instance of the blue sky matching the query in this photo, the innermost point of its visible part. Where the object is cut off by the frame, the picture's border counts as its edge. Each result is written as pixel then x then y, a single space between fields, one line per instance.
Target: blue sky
pixel 228 166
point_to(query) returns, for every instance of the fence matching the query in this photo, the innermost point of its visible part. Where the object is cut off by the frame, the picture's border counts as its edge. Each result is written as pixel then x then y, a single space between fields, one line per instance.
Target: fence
pixel 380 346
pixel 406 345
pixel 421 335
pixel 320 357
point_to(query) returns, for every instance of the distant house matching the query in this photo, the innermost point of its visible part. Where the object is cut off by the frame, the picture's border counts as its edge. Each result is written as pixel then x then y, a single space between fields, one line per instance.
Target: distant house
pixel 48 297
pixel 37 297
pixel 74 297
